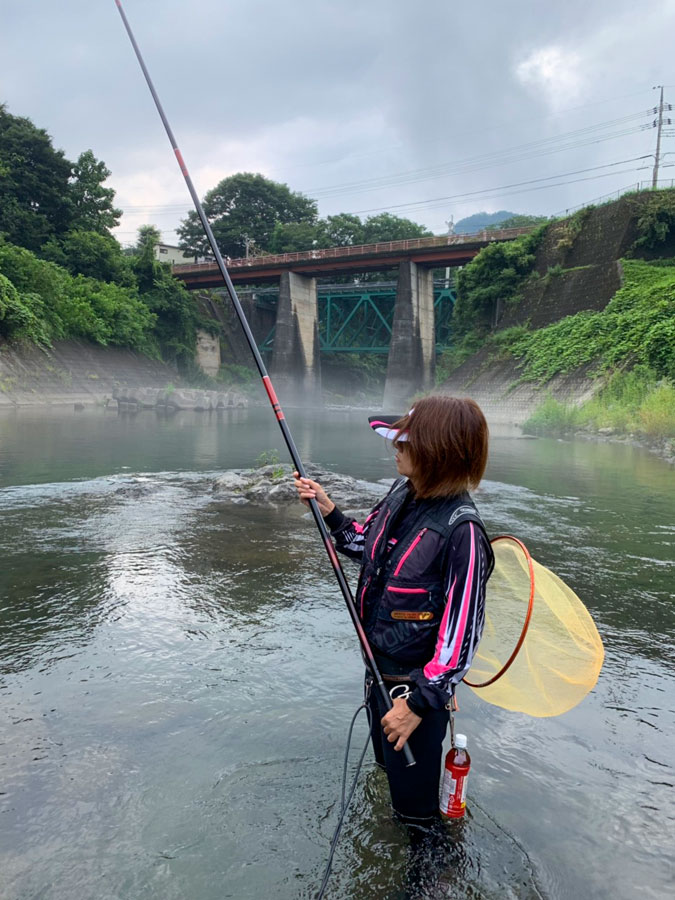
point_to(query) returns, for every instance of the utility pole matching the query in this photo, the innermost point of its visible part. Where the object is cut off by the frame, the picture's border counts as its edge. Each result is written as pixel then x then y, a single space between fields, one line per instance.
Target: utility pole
pixel 451 230
pixel 659 128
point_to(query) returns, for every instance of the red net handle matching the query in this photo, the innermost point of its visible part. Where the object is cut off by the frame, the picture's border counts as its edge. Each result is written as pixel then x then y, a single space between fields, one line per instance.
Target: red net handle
pixel 528 615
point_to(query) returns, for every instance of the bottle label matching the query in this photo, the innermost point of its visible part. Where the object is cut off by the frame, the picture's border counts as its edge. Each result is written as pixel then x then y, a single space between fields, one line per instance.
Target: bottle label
pixel 448 789
pixel 465 779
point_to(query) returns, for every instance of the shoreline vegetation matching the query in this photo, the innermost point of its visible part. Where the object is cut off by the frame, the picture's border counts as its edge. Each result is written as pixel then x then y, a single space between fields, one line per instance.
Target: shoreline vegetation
pixel 627 347
pixel 630 346
pixel 64 277
pixel 616 415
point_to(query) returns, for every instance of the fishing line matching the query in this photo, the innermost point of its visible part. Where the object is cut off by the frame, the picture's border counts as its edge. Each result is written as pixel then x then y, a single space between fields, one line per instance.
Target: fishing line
pixel 533 869
pixel 344 803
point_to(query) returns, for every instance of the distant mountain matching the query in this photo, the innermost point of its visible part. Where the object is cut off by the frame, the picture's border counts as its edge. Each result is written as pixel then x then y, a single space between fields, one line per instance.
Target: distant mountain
pixel 481 220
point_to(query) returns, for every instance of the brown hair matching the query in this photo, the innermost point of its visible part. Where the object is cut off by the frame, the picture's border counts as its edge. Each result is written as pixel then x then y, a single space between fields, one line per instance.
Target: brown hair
pixel 447 439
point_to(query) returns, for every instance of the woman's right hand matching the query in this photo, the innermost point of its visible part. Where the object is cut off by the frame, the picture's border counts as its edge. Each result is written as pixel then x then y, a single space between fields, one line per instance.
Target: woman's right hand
pixel 312 490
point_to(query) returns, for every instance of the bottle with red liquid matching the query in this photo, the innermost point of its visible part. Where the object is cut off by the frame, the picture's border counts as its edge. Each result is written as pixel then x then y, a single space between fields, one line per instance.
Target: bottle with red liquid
pixel 455 777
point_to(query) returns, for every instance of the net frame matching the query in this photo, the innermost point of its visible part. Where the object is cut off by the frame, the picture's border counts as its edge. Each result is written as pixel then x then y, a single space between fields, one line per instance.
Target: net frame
pixel 528 614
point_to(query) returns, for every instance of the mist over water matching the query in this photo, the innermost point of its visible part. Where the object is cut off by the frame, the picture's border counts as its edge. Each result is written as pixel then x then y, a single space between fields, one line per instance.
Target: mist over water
pixel 177 674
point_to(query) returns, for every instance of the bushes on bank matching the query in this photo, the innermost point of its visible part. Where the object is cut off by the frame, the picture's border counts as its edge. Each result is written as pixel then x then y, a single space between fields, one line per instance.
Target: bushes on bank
pixel 43 302
pixel 634 402
pixel 141 307
pixel 493 280
pixel 21 315
pixel 637 327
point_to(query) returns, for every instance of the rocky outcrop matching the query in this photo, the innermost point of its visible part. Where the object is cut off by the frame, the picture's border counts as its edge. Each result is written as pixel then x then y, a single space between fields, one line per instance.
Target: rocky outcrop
pixel 274 485
pixel 174 399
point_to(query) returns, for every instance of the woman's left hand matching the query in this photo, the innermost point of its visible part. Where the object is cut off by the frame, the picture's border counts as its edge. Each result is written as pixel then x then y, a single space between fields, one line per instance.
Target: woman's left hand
pixel 399 723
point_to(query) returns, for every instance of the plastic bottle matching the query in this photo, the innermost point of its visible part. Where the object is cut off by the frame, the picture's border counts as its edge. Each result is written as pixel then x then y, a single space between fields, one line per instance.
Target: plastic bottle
pixel 455 777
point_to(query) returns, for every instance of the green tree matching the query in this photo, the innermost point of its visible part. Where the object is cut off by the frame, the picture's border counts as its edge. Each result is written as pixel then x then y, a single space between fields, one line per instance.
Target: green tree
pixel 177 316
pixel 295 236
pixel 387 227
pixel 92 254
pixel 35 200
pixel 491 280
pixel 93 208
pixel 148 238
pixel 67 306
pixel 242 205
pixel 21 315
pixel 342 230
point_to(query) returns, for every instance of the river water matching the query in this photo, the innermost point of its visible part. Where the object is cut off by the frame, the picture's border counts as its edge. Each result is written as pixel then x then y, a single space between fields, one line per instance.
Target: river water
pixel 177 675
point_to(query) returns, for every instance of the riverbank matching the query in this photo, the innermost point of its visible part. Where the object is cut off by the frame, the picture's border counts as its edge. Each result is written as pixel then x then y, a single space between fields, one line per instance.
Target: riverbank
pixel 631 408
pixel 84 375
pixel 662 448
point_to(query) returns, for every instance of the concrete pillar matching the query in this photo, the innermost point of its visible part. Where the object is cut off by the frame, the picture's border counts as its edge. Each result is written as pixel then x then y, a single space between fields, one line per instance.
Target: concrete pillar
pixel 412 352
pixel 296 364
pixel 208 352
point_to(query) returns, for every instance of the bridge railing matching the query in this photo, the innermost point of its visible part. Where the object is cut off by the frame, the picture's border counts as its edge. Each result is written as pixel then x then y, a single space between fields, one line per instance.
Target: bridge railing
pixel 485 236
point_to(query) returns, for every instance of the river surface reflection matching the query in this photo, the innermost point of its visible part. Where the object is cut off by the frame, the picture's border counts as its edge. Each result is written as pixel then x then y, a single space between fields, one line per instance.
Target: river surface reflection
pixel 177 675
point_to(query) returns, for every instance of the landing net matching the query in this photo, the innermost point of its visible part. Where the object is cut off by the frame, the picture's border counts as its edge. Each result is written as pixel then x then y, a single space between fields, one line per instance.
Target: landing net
pixel 541 652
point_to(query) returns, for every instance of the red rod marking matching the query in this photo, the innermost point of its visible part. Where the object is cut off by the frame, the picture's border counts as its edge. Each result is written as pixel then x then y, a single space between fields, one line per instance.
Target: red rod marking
pixel 273 397
pixel 331 552
pixel 181 161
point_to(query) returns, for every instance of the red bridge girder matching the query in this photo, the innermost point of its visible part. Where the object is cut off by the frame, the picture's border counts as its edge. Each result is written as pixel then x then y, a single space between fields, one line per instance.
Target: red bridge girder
pixel 433 252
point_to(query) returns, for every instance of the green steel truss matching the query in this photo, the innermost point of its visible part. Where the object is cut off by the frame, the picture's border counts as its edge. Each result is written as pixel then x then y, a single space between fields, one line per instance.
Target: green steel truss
pixel 358 318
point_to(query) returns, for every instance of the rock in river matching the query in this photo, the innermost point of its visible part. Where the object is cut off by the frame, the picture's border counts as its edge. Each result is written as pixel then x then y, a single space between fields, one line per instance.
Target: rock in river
pixel 274 485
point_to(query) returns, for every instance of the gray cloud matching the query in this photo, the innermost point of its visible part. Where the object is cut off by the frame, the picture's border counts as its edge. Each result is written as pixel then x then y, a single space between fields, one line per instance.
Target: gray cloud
pixel 322 94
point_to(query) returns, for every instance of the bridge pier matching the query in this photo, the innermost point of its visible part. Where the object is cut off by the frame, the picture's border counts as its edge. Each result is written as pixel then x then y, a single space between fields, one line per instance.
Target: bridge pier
pixel 412 352
pixel 296 364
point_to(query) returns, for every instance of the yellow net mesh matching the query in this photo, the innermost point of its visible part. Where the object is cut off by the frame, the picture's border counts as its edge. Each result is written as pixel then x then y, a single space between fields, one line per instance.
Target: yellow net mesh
pixel 562 654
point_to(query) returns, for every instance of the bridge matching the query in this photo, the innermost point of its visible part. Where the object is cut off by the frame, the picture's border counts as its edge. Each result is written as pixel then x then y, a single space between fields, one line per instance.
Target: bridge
pixel 308 321
pixel 434 252
pixel 352 318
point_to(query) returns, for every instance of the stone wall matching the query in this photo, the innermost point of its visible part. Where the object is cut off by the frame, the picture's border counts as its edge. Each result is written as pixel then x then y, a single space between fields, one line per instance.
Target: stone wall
pixel 577 265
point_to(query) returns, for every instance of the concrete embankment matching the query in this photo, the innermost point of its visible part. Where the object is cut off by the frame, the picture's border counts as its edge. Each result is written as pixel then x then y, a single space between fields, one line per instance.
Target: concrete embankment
pixel 70 372
pixel 495 387
pixel 74 372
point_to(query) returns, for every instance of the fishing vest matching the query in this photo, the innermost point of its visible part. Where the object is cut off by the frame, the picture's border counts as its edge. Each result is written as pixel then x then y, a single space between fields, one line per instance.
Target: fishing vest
pixel 401 595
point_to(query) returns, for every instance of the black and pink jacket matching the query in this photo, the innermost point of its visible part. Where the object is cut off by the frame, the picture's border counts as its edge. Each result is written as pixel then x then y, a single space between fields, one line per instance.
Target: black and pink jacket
pixel 421 590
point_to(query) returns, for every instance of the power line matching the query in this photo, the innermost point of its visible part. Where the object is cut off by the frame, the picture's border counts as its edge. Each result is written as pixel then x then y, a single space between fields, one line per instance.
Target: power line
pixel 478 168
pixel 541 141
pixel 168 209
pixel 506 187
pixel 500 126
pixel 576 139
pixel 463 166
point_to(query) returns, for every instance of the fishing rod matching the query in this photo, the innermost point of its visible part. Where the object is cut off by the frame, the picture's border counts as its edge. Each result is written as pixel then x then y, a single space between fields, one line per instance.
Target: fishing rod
pixel 269 388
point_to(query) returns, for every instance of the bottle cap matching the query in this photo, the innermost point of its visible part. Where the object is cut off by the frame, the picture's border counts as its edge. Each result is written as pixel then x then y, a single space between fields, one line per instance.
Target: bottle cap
pixel 460 741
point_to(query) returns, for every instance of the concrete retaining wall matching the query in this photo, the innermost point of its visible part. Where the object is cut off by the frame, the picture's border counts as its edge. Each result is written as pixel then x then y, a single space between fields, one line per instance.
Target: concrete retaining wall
pixel 74 372
pixel 493 386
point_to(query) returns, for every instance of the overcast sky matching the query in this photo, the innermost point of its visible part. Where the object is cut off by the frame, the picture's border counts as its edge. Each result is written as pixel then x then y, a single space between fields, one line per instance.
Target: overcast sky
pixel 366 106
